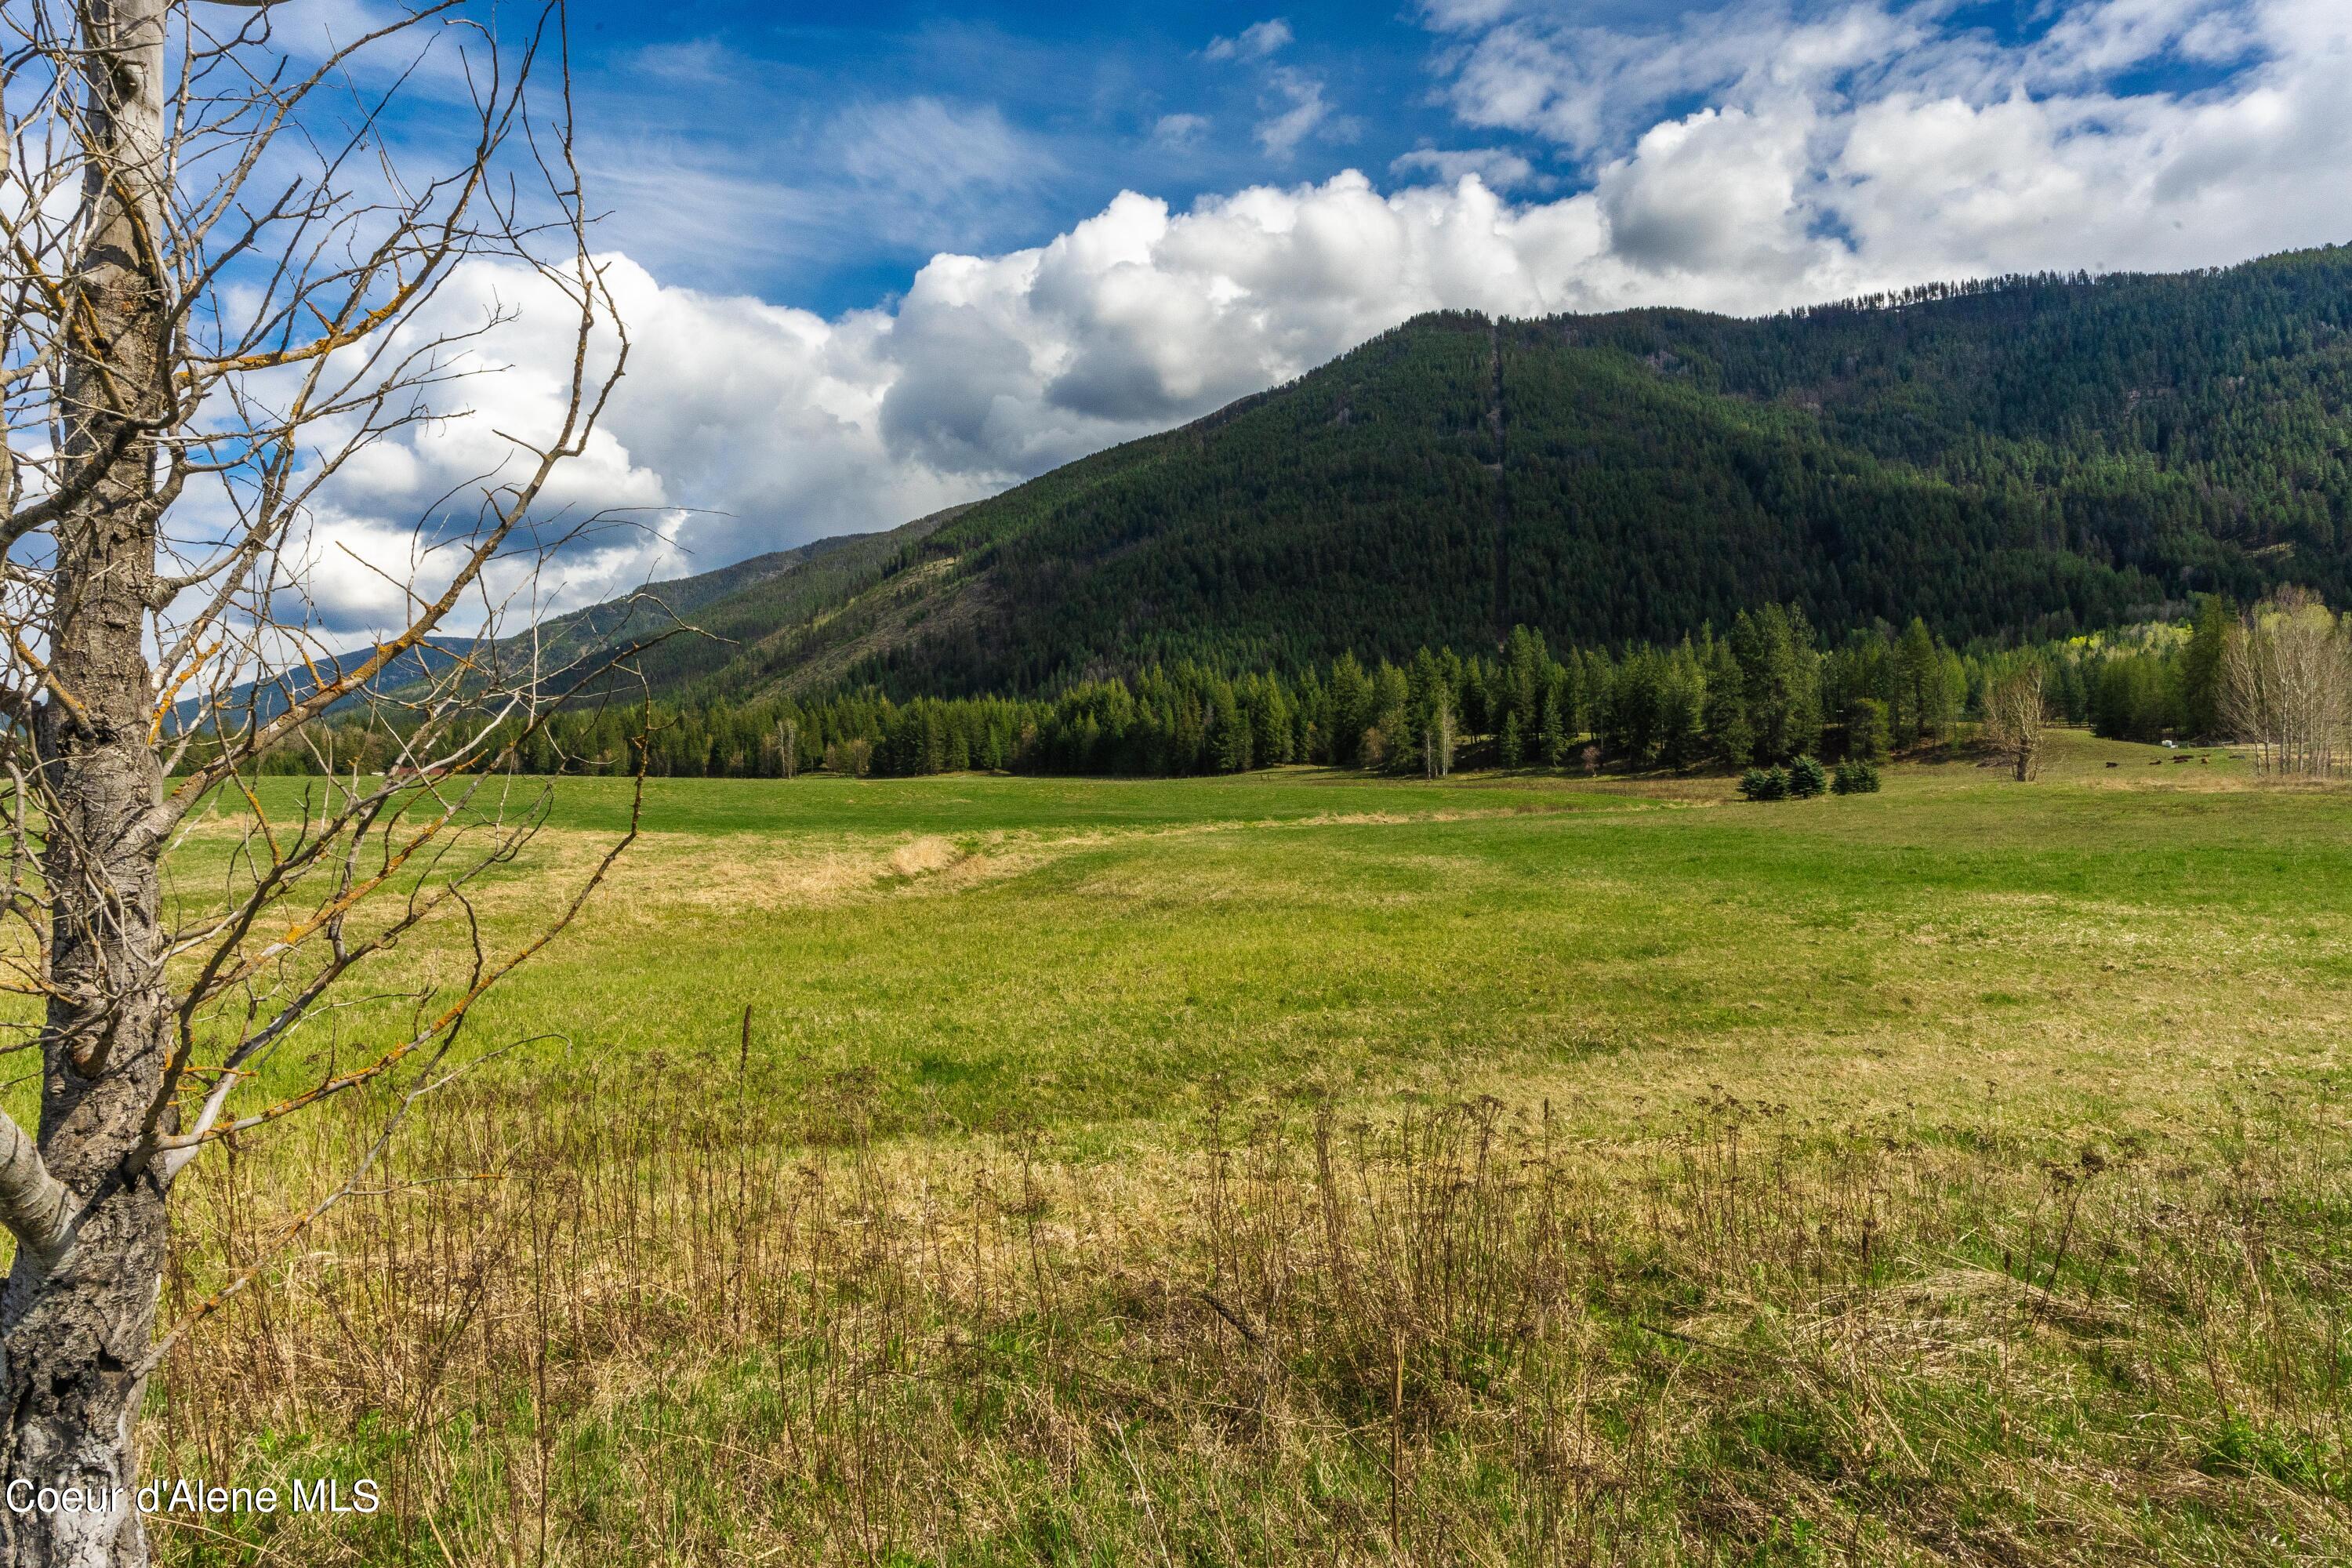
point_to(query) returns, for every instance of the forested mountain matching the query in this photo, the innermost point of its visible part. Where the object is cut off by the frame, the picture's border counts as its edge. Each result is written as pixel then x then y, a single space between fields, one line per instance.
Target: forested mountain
pixel 2031 455
pixel 739 604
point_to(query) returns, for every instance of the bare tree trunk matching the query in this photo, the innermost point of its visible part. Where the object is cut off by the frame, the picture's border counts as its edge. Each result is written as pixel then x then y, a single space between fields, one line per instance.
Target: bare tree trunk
pixel 78 1324
pixel 113 338
pixel 2286 684
pixel 2016 714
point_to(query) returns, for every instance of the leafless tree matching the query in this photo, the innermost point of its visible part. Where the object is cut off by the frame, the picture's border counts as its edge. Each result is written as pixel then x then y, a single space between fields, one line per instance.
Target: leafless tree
pixel 2017 711
pixel 1437 739
pixel 2286 685
pixel 224 281
pixel 853 758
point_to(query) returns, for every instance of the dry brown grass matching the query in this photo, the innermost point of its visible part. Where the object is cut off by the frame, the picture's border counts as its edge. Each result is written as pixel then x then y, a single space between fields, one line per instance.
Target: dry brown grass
pixel 754 872
pixel 721 1329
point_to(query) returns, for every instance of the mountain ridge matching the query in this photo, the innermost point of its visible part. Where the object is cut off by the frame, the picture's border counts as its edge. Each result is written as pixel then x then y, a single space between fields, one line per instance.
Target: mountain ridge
pixel 2022 456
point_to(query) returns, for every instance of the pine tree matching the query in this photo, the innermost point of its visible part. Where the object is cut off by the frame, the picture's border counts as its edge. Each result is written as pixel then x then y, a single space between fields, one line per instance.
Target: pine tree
pixel 1526 666
pixel 1553 739
pixel 1229 734
pixel 2201 668
pixel 1681 726
pixel 1780 676
pixel 1921 705
pixel 1349 710
pixel 1866 739
pixel 1726 710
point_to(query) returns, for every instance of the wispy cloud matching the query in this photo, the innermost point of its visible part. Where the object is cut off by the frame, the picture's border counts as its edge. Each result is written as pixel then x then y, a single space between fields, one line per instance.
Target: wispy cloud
pixel 1305 112
pixel 922 172
pixel 1499 167
pixel 1256 42
pixel 923 147
pixel 1180 131
pixel 1293 102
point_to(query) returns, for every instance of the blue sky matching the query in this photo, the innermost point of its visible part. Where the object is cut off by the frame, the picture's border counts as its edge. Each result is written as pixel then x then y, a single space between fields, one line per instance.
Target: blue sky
pixel 867 137
pixel 882 258
pixel 857 139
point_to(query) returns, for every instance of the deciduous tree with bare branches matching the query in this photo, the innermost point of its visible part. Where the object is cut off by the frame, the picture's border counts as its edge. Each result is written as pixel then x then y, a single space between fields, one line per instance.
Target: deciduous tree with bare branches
pixel 223 282
pixel 2017 711
pixel 1437 739
pixel 2286 685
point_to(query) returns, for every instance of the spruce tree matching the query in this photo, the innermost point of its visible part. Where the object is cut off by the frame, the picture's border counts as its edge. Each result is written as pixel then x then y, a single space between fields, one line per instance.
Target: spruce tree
pixel 2201 668
pixel 1855 776
pixel 1919 700
pixel 1553 739
pixel 1725 711
pixel 1867 737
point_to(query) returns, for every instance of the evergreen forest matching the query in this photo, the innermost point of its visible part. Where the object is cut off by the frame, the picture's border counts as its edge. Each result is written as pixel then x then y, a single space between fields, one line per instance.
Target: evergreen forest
pixel 1766 690
pixel 2035 458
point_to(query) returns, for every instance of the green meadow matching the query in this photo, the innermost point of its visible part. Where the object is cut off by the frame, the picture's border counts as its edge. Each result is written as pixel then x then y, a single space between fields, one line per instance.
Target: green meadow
pixel 1091 956
pixel 1303 1166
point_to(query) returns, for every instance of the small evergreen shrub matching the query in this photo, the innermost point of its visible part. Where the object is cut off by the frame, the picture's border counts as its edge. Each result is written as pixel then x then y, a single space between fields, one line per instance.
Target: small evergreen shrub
pixel 1764 783
pixel 1807 778
pixel 1856 777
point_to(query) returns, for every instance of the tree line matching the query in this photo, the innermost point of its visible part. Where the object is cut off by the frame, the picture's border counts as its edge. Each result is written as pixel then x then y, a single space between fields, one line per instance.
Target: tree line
pixel 1763 692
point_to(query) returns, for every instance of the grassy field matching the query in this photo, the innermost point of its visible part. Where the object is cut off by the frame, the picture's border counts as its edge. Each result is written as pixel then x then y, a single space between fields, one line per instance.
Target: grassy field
pixel 1303 1167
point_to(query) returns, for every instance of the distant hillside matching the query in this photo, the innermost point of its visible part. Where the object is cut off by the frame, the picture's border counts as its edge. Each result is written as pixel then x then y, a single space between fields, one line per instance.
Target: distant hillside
pixel 725 610
pixel 2033 455
pixel 259 701
pixel 737 606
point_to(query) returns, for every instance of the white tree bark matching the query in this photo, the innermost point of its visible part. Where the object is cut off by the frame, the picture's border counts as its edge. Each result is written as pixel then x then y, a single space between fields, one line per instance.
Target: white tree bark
pixel 2286 686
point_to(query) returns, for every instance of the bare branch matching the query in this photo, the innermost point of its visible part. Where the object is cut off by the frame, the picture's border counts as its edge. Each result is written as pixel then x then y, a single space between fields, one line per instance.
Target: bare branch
pixel 34 1204
pixel 221 289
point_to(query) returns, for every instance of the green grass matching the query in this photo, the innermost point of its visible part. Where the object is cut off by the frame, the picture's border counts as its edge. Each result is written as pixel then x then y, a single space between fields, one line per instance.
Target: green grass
pixel 1955 1174
pixel 1087 953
